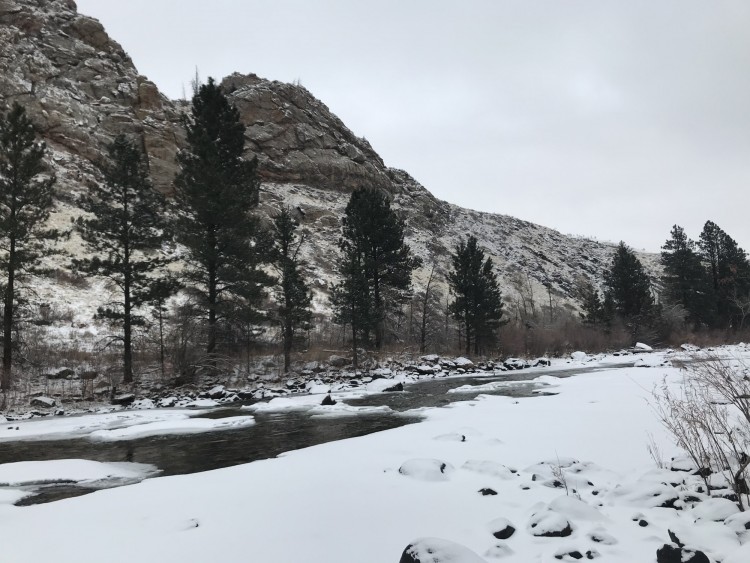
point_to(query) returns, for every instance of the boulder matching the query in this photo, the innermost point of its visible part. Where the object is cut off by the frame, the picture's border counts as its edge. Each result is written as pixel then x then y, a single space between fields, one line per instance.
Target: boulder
pixel 338 361
pixel 44 402
pixel 515 364
pixel 669 553
pixel 435 550
pixel 63 373
pixel 381 373
pixel 715 510
pixel 217 392
pixel 123 399
pixel 579 356
pixel 463 363
pixel 738 523
pixel 501 528
pixel 548 524
pixel 328 401
pixel 312 366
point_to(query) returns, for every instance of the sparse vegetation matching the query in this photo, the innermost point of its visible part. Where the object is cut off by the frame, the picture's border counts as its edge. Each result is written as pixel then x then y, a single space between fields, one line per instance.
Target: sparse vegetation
pixel 709 418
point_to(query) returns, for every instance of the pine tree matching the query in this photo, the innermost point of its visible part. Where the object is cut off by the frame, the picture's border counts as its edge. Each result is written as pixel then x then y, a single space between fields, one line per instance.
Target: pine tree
pixel 592 308
pixel 629 288
pixel 125 230
pixel 429 306
pixel 293 296
pixel 477 301
pixel 25 205
pixel 162 288
pixel 350 298
pixel 685 279
pixel 730 273
pixel 216 191
pixel 377 263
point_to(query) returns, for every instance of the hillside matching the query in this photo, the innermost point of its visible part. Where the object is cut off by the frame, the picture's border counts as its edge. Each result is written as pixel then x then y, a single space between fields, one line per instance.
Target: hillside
pixel 81 89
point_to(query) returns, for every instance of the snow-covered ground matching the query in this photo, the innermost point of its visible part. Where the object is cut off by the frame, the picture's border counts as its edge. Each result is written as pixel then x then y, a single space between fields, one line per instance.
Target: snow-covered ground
pixel 366 499
pixel 119 425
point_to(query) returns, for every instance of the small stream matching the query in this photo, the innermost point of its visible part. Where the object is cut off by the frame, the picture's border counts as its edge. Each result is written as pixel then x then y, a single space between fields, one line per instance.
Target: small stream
pixel 273 433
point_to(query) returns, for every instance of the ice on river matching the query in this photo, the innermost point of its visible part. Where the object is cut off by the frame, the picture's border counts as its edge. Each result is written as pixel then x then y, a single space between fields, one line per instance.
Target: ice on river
pixel 121 425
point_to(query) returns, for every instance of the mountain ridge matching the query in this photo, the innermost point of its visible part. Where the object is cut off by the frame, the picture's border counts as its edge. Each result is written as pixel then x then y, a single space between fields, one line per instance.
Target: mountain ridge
pixel 81 89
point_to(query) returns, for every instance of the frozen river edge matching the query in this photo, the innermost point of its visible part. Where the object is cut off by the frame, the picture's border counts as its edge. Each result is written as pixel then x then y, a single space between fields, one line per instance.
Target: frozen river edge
pixel 368 498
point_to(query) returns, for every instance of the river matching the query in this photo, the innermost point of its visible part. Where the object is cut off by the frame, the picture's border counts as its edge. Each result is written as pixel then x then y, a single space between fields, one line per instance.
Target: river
pixel 273 433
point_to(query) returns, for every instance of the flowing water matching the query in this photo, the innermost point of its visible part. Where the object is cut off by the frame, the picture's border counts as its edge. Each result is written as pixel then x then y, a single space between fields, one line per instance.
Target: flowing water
pixel 272 434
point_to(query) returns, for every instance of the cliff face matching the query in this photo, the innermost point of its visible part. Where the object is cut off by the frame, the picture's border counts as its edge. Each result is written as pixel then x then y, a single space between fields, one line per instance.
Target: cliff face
pixel 82 89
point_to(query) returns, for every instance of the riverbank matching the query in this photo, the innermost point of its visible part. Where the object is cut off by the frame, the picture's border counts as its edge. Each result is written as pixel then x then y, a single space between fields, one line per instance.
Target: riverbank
pixel 48 398
pixel 367 498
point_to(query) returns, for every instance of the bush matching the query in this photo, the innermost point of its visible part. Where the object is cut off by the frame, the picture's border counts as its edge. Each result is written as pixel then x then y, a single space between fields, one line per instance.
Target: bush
pixel 710 419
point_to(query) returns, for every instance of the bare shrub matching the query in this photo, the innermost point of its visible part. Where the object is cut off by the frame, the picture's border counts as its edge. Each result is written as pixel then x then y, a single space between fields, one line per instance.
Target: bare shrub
pixel 710 419
pixel 66 277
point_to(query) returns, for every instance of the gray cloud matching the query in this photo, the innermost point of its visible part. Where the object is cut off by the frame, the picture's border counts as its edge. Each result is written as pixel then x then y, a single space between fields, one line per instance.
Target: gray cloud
pixel 596 117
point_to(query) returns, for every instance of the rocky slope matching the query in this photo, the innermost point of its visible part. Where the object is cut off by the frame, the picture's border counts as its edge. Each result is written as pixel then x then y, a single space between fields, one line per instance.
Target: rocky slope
pixel 81 89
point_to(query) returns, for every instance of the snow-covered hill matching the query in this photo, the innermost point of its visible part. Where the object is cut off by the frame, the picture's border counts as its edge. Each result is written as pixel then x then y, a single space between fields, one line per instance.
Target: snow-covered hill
pixel 81 89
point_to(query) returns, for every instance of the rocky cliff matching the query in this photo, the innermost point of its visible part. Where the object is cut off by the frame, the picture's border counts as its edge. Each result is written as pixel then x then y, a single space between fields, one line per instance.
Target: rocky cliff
pixel 81 89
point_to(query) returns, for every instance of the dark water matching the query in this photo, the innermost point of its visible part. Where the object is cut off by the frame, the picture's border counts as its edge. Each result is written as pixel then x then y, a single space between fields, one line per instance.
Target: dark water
pixel 272 434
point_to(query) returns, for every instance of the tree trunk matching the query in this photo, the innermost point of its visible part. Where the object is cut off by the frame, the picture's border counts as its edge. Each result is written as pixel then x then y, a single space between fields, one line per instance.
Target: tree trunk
pixel 127 340
pixel 211 347
pixel 379 314
pixel 161 338
pixel 425 303
pixel 8 303
pixel 288 337
pixel 127 367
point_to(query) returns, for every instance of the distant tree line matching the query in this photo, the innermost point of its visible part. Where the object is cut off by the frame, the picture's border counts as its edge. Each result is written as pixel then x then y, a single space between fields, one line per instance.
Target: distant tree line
pixel 235 277
pixel 704 286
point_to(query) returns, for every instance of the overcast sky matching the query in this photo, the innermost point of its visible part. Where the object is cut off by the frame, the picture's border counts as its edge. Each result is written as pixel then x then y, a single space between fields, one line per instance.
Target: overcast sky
pixel 605 118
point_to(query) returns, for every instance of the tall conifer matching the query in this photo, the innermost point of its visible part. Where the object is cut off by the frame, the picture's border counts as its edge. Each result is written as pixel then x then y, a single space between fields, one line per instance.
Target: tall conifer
pixel 477 303
pixel 216 192
pixel 730 273
pixel 292 295
pixel 25 205
pixel 685 279
pixel 125 229
pixel 628 288
pixel 377 265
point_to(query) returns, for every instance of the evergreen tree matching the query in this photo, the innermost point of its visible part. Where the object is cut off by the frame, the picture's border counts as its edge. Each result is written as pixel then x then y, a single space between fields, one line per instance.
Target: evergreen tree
pixel 125 229
pixel 293 296
pixel 477 301
pixel 216 190
pixel 429 309
pixel 377 263
pixel 628 287
pixel 162 288
pixel 25 204
pixel 592 308
pixel 685 279
pixel 351 298
pixel 730 273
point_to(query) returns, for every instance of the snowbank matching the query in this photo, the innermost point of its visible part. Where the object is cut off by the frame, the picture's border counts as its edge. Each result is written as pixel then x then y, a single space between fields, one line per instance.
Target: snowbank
pixel 120 425
pixel 369 498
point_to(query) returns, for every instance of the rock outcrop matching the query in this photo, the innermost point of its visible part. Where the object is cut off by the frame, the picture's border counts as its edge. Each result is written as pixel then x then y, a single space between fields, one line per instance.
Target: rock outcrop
pixel 81 89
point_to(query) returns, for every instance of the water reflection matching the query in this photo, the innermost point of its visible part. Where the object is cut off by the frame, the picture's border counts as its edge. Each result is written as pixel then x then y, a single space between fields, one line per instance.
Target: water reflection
pixel 273 433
